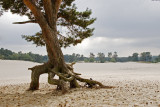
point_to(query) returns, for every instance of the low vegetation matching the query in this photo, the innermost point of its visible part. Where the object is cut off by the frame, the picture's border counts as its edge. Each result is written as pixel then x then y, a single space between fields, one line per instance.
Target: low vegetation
pixel 144 57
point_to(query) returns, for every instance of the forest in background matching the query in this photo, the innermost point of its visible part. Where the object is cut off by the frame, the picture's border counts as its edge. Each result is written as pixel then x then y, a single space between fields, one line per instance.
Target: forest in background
pixel 9 55
pixel 99 58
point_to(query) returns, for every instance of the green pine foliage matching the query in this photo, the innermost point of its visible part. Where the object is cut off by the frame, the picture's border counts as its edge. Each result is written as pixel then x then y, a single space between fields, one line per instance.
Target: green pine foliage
pixel 37 39
pixel 75 23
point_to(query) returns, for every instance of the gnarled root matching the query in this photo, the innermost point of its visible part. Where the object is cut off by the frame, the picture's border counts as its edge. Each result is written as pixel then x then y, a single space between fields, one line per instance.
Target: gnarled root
pixel 70 76
pixel 61 84
pixel 36 72
pixel 74 84
pixel 65 74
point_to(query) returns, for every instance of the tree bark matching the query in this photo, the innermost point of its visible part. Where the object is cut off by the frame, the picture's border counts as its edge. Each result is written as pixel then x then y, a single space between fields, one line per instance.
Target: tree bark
pixel 74 84
pixel 56 64
pixel 36 72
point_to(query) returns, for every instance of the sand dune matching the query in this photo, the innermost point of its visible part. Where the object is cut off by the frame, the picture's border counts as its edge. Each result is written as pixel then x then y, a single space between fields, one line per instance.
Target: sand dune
pixel 136 85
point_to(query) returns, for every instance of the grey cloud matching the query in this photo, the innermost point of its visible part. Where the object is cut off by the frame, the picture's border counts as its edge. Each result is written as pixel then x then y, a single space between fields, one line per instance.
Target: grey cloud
pixel 125 18
pixel 147 42
pixel 11 33
pixel 123 46
pixel 131 19
pixel 135 23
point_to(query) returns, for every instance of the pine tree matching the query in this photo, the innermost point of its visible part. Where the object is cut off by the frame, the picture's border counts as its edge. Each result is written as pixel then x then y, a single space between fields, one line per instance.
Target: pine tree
pixel 50 15
pixel 101 57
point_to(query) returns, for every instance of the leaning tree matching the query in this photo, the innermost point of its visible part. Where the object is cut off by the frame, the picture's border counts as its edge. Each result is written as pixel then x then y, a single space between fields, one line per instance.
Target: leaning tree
pixel 51 15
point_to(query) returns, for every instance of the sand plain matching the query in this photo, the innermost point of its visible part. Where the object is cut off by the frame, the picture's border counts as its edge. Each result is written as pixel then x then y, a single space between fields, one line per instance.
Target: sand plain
pixel 136 85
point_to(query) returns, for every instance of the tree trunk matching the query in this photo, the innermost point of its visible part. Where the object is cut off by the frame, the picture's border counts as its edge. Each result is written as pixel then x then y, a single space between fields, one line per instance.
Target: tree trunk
pixel 56 64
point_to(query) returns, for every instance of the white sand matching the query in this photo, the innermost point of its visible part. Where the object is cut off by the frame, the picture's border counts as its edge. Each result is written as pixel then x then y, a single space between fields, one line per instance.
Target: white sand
pixel 136 85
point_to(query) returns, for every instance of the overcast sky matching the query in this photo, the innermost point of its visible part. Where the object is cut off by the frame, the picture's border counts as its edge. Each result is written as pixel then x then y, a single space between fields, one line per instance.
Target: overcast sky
pixel 125 26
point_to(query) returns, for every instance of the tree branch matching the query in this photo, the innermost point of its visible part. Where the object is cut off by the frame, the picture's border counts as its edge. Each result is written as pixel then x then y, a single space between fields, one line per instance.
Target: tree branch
pixel 51 8
pixel 57 4
pixel 37 13
pixel 49 12
pixel 30 21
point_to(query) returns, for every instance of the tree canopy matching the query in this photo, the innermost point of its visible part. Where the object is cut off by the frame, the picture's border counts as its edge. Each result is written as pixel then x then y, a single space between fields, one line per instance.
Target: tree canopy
pixel 75 23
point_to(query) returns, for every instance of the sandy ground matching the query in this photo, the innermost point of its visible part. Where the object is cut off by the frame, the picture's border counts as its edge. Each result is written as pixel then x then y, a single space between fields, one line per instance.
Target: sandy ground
pixel 136 85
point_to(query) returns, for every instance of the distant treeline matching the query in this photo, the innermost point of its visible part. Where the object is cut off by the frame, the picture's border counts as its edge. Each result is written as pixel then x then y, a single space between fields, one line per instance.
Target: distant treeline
pixel 112 57
pixel 9 55
pixel 99 58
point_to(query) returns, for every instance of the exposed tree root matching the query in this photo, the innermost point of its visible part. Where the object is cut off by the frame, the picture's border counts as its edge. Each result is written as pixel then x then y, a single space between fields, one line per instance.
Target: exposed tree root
pixel 36 72
pixel 65 75
pixel 60 83
pixel 74 84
